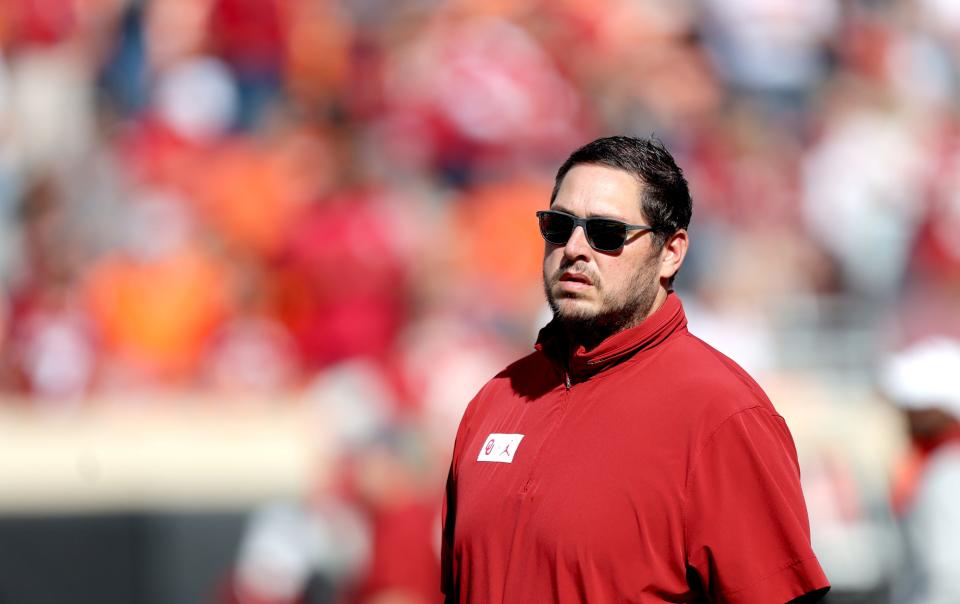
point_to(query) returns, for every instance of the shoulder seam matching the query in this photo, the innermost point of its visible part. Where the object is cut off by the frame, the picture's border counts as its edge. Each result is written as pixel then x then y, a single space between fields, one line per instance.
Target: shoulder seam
pixel 696 461
pixel 720 424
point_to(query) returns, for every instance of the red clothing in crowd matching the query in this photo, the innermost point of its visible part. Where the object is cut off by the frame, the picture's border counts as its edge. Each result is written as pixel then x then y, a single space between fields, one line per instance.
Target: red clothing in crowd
pixel 650 469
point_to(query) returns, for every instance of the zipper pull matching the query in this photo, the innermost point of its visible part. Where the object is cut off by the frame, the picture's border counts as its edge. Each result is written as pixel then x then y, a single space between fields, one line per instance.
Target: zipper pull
pixel 566 379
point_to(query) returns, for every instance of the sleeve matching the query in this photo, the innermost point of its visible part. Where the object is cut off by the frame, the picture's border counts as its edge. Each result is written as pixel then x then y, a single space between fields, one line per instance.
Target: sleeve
pixel 747 532
pixel 449 516
pixel 449 583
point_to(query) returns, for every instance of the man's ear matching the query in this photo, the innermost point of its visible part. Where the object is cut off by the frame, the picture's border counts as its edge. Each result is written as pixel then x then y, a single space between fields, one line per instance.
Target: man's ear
pixel 673 252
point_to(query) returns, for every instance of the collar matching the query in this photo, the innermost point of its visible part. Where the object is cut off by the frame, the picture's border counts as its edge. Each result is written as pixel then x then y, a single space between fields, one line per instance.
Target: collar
pixel 642 339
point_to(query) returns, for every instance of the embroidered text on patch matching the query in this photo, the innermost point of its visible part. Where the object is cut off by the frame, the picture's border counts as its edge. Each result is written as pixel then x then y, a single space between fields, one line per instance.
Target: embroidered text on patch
pixel 500 448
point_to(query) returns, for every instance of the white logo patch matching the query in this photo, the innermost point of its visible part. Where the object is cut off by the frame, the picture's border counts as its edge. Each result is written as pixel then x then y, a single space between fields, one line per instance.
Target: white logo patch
pixel 500 448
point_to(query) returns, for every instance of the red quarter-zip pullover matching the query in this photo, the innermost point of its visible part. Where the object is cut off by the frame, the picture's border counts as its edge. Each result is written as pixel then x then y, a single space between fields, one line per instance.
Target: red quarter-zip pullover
pixel 650 469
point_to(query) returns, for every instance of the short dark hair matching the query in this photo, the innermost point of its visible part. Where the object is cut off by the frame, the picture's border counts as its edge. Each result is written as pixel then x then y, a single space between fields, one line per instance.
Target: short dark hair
pixel 665 200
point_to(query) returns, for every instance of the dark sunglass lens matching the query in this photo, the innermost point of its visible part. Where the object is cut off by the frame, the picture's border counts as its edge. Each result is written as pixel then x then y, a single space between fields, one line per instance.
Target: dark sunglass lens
pixel 556 228
pixel 606 235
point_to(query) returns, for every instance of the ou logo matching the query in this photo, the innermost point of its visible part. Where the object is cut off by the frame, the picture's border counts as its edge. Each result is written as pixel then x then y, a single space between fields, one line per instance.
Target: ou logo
pixel 489 447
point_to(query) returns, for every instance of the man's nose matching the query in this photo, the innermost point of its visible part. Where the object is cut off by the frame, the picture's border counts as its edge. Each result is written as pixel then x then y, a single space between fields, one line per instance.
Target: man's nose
pixel 577 246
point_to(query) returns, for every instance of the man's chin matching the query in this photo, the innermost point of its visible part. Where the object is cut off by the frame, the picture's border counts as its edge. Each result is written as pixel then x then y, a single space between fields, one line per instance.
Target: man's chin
pixel 574 310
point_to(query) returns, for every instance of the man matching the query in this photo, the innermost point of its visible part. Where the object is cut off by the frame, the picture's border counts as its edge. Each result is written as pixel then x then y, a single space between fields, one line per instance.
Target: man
pixel 624 460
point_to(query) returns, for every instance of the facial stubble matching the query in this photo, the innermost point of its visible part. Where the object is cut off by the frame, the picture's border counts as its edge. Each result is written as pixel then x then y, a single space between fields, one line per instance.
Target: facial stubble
pixel 628 308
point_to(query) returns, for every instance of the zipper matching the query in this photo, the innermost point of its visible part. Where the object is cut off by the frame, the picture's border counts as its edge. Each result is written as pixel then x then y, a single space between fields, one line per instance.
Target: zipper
pixel 567 383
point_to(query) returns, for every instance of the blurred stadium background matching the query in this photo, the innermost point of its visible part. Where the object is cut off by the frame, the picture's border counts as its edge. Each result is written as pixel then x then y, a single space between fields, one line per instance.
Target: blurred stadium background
pixel 257 255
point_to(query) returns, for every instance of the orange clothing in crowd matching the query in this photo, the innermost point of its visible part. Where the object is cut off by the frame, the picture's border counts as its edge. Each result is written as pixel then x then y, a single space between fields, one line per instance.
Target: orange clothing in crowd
pixel 159 314
pixel 499 245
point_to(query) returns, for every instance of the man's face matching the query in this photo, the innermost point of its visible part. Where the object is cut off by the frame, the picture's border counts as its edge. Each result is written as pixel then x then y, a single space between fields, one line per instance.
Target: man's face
pixel 594 292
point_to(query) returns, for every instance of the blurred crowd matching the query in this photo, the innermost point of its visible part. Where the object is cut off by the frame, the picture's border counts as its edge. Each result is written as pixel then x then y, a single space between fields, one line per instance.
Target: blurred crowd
pixel 336 198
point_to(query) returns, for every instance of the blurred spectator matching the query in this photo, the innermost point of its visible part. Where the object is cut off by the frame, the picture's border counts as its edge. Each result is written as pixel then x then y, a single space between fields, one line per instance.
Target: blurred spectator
pixel 158 303
pixel 924 381
pixel 291 554
pixel 772 47
pixel 52 346
pixel 485 95
pixel 505 274
pixel 392 481
pixel 250 35
pixel 343 278
pixel 865 206
pixel 51 101
pixel 846 482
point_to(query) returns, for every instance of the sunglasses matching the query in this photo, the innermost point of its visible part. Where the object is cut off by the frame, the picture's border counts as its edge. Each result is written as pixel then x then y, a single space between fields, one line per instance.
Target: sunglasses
pixel 603 234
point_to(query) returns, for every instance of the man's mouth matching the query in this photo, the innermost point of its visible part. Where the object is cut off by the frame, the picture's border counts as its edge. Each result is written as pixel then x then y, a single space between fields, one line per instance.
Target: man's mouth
pixel 569 277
